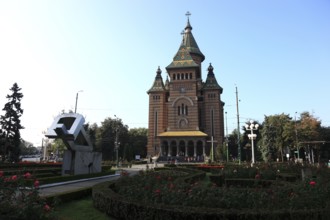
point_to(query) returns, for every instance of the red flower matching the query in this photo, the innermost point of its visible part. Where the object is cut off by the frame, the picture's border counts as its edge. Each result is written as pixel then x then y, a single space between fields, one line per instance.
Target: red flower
pixel 312 183
pixel 157 191
pixel 158 177
pixel 27 175
pixel 257 176
pixel 1 173
pixel 14 177
pixel 47 208
pixel 36 184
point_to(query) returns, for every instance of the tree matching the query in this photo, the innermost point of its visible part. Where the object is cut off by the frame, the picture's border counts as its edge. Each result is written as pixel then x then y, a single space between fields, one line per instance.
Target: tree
pixel 267 140
pixel 138 138
pixel 277 136
pixel 11 125
pixel 27 148
pixel 57 147
pixel 91 131
pixel 221 152
pixel 232 145
pixel 308 128
pixel 110 131
pixel 309 134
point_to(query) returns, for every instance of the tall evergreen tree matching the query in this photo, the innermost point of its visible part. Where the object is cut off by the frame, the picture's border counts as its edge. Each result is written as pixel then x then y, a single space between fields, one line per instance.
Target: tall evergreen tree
pixel 11 124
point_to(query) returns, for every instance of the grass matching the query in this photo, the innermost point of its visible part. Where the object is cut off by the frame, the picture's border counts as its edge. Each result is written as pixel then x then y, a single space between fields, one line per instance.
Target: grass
pixel 79 210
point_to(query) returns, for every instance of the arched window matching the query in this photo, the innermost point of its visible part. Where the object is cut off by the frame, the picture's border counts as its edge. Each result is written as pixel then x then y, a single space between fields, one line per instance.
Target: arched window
pixel 174 76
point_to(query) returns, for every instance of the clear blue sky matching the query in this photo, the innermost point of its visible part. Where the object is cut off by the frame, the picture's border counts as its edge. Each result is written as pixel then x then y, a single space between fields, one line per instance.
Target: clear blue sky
pixel 277 53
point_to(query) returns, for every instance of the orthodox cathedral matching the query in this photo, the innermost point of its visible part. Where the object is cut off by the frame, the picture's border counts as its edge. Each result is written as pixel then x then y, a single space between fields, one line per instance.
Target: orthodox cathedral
pixel 186 116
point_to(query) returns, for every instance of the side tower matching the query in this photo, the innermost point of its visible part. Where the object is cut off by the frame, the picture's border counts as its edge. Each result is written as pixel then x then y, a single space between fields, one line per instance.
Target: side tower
pixel 185 113
pixel 213 121
pixel 157 113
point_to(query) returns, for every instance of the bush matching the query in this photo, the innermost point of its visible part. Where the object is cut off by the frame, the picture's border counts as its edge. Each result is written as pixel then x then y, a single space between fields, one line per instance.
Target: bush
pixel 20 200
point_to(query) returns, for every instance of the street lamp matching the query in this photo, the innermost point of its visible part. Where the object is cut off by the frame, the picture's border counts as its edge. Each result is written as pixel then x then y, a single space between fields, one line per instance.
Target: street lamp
pixel 117 143
pixel 75 108
pixel 227 137
pixel 295 122
pixel 252 127
pixel 117 148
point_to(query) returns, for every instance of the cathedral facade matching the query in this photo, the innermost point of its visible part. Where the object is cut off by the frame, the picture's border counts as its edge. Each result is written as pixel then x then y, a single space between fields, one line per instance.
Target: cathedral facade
pixel 186 117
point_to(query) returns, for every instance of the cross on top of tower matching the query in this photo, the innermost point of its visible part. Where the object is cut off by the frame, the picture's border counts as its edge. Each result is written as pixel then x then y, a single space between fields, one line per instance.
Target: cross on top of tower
pixel 188 14
pixel 182 33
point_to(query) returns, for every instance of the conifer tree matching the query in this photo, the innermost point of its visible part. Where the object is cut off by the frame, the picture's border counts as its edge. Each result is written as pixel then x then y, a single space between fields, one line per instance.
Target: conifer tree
pixel 10 124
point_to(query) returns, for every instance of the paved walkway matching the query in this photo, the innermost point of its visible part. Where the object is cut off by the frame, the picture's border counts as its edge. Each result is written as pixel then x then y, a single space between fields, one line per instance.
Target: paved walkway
pixel 50 189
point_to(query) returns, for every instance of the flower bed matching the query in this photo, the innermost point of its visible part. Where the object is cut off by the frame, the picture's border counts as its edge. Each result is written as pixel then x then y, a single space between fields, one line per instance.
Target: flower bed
pixel 158 193
pixel 19 198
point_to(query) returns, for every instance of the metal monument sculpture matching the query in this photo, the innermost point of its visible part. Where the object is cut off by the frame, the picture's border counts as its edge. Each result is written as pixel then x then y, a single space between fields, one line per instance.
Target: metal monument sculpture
pixel 79 158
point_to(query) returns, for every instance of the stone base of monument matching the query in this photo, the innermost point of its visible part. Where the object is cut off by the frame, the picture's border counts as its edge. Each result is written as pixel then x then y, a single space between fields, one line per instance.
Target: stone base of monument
pixel 81 162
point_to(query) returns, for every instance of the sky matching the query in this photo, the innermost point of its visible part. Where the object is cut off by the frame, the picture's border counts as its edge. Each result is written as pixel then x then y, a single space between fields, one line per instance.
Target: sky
pixel 276 53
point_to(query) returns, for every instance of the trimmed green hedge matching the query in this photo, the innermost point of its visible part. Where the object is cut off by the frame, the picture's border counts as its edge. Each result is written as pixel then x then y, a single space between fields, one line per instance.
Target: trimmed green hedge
pixel 106 200
pixel 60 198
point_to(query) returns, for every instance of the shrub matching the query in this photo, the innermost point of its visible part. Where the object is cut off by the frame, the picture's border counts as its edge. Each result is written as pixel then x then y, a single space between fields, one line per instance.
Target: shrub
pixel 19 198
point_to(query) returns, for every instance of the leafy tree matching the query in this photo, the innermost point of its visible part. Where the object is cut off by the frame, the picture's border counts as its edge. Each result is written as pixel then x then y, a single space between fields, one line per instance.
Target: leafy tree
pixel 308 128
pixel 138 138
pixel 267 140
pixel 232 145
pixel 27 148
pixel 11 125
pixel 325 134
pixel 325 147
pixel 91 131
pixel 277 136
pixel 111 129
pixel 221 152
pixel 58 147
pixel 309 135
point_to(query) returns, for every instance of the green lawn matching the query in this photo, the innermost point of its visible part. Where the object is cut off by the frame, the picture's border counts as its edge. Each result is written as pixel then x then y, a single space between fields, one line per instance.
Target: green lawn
pixel 80 209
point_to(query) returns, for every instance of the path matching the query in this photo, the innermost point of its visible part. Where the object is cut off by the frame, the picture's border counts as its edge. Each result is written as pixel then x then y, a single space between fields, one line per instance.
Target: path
pixel 50 189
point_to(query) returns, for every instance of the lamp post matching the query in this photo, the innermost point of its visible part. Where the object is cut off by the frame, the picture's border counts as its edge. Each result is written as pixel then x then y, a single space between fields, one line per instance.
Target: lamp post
pixel 75 108
pixel 117 147
pixel 227 138
pixel 238 130
pixel 117 143
pixel 295 122
pixel 252 127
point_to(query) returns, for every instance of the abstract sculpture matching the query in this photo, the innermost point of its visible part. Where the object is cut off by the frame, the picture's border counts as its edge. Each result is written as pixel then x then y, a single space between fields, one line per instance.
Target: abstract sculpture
pixel 79 158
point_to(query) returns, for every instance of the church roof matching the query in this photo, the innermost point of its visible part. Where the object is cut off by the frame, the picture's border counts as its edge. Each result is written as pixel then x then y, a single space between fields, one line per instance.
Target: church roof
pixel 189 41
pixel 182 59
pixel 182 134
pixel 158 85
pixel 211 82
pixel 188 46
